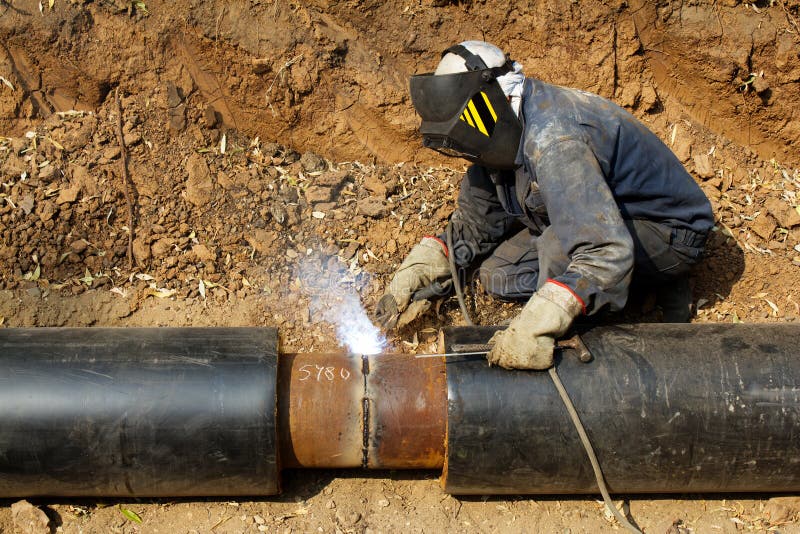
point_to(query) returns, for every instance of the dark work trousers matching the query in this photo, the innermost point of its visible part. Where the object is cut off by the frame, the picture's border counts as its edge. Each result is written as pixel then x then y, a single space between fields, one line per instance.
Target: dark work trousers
pixel 663 257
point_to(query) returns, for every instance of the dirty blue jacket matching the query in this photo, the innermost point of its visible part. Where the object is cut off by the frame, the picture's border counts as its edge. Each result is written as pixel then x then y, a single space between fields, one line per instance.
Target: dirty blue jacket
pixel 586 165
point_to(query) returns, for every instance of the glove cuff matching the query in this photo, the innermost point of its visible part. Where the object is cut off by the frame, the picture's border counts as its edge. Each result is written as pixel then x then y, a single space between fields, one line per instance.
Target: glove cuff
pixel 432 241
pixel 563 297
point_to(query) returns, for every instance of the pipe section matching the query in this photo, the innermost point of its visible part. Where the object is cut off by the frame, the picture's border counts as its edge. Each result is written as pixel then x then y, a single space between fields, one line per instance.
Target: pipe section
pixel 156 412
pixel 385 411
pixel 668 407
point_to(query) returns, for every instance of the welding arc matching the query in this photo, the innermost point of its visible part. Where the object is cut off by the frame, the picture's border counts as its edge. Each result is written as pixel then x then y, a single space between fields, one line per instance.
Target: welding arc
pixel 573 413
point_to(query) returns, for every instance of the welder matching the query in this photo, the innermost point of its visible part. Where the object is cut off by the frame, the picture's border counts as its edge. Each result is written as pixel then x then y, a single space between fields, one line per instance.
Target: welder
pixel 570 202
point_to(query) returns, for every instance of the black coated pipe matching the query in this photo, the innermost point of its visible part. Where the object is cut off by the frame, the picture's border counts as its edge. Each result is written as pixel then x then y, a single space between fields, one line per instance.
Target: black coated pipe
pixel 192 412
pixel 138 412
pixel 668 408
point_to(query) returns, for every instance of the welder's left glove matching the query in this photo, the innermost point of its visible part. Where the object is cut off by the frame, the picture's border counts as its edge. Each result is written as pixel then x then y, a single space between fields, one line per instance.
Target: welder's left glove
pixel 529 340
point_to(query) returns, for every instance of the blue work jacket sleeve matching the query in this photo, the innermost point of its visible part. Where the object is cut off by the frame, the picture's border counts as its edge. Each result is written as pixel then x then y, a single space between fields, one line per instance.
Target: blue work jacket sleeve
pixel 479 222
pixel 586 221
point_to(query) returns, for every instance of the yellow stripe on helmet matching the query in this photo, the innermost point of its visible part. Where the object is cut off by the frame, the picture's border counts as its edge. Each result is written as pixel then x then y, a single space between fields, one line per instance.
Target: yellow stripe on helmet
pixel 478 122
pixel 467 117
pixel 489 105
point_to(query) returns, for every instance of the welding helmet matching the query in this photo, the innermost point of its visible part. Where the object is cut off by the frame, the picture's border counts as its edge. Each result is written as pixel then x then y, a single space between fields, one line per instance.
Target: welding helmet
pixel 467 114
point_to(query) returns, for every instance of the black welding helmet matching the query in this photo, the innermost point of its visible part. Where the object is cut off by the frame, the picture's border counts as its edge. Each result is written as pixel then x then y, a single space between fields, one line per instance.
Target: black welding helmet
pixel 466 114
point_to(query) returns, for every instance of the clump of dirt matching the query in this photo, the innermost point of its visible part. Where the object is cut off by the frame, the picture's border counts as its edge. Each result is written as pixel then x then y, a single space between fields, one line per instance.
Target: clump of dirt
pixel 270 140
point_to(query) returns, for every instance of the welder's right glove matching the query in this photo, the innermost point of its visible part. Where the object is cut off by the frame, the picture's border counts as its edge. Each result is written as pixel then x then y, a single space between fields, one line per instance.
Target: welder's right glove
pixel 529 340
pixel 425 266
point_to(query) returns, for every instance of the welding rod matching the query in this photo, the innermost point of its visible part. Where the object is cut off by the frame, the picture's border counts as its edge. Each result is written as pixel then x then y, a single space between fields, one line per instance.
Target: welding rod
pixel 451 354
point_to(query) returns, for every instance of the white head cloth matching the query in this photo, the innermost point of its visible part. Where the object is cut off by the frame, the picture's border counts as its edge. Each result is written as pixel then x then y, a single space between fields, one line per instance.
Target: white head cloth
pixel 511 83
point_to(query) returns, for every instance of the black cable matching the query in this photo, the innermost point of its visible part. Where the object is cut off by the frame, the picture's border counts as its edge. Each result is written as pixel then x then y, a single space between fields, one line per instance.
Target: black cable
pixel 451 257
pixel 587 445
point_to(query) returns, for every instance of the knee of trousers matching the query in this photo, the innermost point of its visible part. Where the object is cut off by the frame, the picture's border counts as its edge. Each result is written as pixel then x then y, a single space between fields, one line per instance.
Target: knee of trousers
pixel 506 283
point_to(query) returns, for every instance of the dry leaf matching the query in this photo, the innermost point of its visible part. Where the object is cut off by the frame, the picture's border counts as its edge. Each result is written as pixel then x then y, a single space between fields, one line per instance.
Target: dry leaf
pixel 775 310
pixel 33 275
pixel 119 291
pixel 161 293
pixel 87 278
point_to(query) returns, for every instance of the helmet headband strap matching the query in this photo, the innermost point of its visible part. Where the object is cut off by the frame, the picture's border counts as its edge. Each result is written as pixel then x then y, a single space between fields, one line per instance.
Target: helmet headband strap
pixel 475 62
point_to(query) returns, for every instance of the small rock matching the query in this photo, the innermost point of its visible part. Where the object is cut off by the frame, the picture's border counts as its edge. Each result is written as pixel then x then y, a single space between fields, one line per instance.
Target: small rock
pixel 210 118
pixel 83 179
pixel 291 254
pixel 682 146
pixel 350 251
pixel 763 226
pixel 346 519
pixel 224 181
pixel 315 193
pixel 372 207
pixel 629 95
pixel 335 180
pixel 46 211
pixel 203 253
pixel 177 118
pixel 312 162
pixel 112 152
pixel 786 215
pixel 141 250
pixel 330 505
pixel 383 503
pixel 702 166
pixel 760 85
pixel 26 204
pixel 47 174
pixel 162 247
pixel 29 519
pixel 174 97
pixel 374 185
pixel 78 246
pixel 258 519
pixel 325 207
pixel 261 240
pixel 649 98
pixel 132 139
pixel 13 165
pixel 8 252
pixel 199 183
pixel 69 195
pixel 80 138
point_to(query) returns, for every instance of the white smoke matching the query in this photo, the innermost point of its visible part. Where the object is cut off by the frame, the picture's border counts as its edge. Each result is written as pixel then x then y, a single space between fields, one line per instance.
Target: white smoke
pixel 334 298
pixel 353 326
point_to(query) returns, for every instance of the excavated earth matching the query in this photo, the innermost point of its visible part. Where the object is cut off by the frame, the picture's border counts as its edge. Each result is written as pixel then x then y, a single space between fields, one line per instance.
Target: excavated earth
pixel 271 145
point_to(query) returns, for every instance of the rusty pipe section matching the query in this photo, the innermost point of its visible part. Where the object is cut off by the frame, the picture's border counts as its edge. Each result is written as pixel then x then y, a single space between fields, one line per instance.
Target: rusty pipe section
pixel 385 411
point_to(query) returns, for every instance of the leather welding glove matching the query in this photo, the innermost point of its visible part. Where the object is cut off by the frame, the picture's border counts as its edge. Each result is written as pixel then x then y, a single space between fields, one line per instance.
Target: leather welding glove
pixel 529 340
pixel 426 264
